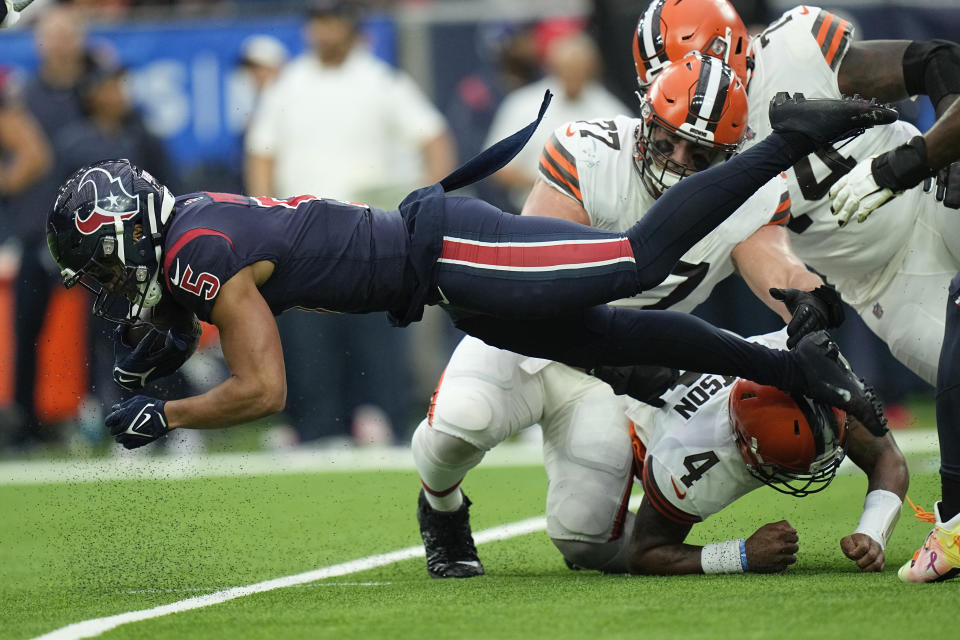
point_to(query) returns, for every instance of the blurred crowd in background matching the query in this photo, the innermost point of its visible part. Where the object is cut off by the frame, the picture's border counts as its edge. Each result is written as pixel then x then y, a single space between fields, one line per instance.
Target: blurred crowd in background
pixel 258 97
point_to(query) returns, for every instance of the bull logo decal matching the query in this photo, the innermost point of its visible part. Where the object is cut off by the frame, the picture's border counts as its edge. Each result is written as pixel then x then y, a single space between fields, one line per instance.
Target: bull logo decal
pixel 116 204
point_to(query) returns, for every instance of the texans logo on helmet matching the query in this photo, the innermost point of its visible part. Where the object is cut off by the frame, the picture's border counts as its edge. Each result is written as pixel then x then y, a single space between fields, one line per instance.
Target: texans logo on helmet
pixel 110 208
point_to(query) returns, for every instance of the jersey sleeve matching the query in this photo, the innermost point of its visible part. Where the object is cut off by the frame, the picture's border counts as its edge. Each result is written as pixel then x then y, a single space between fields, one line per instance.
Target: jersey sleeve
pixel 781 215
pixel 667 494
pixel 776 199
pixel 558 165
pixel 805 46
pixel 196 266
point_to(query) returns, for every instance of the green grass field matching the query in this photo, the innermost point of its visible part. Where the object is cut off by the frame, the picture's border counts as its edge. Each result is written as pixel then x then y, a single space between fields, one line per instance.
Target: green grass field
pixel 72 552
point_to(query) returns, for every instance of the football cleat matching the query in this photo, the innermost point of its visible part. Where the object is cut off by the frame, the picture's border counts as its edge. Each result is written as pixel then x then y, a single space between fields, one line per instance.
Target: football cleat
pixel 939 557
pixel 448 541
pixel 829 119
pixel 829 379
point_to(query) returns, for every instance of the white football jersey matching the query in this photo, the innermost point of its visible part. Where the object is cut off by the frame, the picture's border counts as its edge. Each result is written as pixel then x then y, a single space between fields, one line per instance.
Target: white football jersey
pixel 801 52
pixel 692 467
pixel 592 161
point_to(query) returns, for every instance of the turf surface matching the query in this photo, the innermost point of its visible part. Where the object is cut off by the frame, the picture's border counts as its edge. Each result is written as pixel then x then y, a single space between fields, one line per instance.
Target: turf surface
pixel 74 552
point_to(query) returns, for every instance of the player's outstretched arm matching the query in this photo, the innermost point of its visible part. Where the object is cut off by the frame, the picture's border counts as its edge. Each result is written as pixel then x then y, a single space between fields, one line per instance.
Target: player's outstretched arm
pixel 892 70
pixel 251 345
pixel 657 548
pixel 548 202
pixel 888 479
pixel 781 280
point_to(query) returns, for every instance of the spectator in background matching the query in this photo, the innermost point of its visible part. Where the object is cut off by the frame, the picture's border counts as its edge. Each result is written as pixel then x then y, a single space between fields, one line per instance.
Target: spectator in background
pixel 24 158
pixel 572 63
pixel 24 152
pixel 51 98
pixel 510 53
pixel 262 57
pixel 347 375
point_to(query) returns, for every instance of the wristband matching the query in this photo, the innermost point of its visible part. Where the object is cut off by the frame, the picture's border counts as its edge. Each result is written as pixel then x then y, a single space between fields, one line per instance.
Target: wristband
pixel 881 509
pixel 902 168
pixel 724 557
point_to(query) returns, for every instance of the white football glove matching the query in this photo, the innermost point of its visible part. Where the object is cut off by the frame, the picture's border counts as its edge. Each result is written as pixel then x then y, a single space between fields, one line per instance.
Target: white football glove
pixel 857 193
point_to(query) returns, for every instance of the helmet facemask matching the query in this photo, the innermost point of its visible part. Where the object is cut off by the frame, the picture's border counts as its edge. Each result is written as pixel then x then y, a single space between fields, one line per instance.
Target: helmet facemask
pixel 793 474
pixel 796 483
pixel 121 291
pixel 656 142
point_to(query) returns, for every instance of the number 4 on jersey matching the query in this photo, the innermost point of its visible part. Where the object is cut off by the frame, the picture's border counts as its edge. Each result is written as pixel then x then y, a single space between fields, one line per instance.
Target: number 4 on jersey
pixel 698 464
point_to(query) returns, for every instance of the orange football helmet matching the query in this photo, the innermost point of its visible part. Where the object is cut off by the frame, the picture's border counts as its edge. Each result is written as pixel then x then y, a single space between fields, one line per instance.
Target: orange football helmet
pixel 698 99
pixel 669 29
pixel 792 444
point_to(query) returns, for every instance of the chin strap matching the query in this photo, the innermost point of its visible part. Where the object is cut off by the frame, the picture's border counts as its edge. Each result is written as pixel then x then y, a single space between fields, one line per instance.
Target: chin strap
pixel 154 291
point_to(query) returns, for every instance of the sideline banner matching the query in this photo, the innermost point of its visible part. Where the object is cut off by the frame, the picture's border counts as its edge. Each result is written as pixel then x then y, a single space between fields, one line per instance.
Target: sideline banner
pixel 184 76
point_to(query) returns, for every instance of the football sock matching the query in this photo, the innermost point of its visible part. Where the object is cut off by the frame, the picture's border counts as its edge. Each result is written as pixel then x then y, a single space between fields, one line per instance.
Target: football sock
pixel 950 501
pixel 442 461
pixel 686 213
pixel 948 406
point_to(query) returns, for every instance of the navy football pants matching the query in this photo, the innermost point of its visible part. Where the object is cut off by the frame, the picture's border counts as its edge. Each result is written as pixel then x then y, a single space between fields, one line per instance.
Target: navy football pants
pixel 532 284
pixel 948 404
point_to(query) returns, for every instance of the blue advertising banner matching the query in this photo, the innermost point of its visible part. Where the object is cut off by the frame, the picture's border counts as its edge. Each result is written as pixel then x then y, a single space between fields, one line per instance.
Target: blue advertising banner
pixel 184 76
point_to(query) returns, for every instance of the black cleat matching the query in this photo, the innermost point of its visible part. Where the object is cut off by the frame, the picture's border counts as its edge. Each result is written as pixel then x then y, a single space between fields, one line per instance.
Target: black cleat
pixel 829 379
pixel 827 120
pixel 448 541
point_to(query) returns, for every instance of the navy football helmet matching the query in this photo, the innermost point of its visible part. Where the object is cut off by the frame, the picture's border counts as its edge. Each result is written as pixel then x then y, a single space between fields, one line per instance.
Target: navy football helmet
pixel 105 231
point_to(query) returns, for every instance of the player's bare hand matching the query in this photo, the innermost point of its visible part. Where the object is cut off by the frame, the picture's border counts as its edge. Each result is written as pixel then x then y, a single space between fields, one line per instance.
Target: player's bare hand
pixel 865 551
pixel 772 548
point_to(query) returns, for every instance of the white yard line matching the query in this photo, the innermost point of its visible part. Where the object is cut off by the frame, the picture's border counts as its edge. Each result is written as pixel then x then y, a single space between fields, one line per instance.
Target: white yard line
pixel 141 464
pixel 97 626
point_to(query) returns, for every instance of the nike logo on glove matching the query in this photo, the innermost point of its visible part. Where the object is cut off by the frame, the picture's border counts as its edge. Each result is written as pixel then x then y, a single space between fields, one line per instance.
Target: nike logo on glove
pixel 134 428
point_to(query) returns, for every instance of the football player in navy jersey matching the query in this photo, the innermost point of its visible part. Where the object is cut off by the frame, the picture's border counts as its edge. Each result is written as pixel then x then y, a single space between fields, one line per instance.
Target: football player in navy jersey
pixel 533 285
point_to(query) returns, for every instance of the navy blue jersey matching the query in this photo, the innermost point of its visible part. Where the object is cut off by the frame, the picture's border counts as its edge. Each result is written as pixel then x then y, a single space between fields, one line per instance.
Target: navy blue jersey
pixel 328 255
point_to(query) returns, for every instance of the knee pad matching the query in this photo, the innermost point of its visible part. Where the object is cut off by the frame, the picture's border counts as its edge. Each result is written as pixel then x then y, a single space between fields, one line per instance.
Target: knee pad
pixel 485 397
pixel 609 557
pixel 442 460
pixel 442 449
